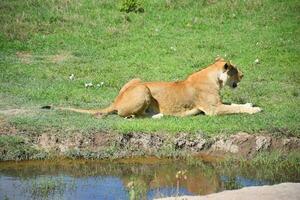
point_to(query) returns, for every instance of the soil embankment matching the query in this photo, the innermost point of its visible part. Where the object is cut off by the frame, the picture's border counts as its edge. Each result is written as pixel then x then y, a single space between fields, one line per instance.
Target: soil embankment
pixel 137 144
pixel 102 145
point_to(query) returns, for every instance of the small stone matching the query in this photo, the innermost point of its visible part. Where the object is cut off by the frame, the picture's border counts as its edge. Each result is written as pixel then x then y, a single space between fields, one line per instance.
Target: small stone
pixel 256 61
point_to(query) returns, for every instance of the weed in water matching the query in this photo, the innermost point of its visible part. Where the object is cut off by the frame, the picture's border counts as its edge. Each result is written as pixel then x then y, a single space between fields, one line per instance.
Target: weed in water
pixel 180 175
pixel 46 187
pixel 137 189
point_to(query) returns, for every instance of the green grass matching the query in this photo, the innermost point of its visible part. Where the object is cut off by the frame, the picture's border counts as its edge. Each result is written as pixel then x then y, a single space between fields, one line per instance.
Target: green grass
pixel 43 42
pixel 17 148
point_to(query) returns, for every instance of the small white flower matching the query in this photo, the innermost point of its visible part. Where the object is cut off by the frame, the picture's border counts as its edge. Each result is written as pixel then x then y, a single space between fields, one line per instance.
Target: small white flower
pixel 173 48
pixel 88 84
pixel 100 84
pixel 156 30
pixel 72 77
pixel 189 25
pixel 195 20
pixel 256 61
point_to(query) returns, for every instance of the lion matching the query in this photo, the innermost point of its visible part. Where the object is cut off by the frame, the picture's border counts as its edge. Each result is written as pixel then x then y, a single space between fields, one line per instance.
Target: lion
pixel 198 93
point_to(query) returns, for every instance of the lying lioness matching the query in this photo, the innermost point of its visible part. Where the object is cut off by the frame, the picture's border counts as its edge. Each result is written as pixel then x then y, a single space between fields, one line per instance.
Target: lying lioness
pixel 199 93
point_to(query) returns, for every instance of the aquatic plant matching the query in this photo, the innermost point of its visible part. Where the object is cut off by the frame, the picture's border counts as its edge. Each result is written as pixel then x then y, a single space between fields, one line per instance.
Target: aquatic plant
pixel 180 175
pixel 47 187
pixel 137 189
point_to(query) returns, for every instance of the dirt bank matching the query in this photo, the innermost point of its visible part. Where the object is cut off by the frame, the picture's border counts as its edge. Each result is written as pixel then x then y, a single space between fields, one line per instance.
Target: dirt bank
pixel 284 191
pixel 137 144
pixel 101 145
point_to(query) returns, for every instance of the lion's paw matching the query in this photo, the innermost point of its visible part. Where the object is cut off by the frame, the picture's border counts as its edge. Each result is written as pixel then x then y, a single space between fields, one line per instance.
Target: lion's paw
pixel 157 116
pixel 255 110
pixel 248 105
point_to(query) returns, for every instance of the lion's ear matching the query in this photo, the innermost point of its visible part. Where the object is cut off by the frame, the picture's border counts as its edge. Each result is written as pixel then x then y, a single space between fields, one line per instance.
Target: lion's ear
pixel 226 66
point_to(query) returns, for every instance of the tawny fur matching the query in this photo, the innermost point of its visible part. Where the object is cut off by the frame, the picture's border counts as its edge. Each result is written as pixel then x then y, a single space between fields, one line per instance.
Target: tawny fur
pixel 199 93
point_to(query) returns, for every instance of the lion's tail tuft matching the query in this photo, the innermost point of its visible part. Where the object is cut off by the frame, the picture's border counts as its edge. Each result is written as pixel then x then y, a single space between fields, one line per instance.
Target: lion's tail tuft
pixel 46 107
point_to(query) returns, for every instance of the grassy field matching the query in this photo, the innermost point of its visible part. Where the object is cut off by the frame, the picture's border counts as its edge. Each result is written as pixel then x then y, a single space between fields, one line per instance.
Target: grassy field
pixel 43 42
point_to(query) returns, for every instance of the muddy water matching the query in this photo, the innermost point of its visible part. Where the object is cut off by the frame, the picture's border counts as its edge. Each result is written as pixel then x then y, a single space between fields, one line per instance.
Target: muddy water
pixel 142 178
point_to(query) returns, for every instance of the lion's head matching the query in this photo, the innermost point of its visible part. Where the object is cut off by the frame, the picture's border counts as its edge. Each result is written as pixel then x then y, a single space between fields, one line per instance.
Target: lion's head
pixel 229 75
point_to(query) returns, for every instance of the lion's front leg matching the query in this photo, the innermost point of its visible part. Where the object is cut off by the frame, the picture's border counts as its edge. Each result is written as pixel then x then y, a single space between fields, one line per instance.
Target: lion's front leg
pixel 223 109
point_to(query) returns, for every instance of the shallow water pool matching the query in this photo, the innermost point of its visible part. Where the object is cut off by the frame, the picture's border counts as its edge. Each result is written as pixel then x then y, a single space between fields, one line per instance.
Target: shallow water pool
pixel 138 178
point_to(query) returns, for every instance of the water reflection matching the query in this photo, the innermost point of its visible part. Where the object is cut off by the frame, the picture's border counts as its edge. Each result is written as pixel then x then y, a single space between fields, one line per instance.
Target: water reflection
pixel 145 179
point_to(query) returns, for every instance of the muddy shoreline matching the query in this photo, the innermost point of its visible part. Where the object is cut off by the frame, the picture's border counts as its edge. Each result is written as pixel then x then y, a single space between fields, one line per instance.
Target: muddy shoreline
pixel 110 145
pixel 106 145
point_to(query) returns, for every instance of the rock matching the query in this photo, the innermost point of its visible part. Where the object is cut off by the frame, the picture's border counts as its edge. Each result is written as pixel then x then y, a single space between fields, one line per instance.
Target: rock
pixel 141 141
pixel 262 142
pixel 201 143
pixel 234 144
pixel 190 142
pixel 241 137
pixel 103 139
pixel 291 143
pixel 180 142
pixel 225 145
pixel 47 141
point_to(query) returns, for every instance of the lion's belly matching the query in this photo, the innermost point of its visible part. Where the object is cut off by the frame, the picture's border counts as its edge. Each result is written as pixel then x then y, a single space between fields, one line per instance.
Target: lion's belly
pixel 172 99
pixel 176 108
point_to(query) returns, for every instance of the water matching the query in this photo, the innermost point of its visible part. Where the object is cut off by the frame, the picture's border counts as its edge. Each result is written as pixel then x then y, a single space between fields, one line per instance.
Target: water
pixel 144 178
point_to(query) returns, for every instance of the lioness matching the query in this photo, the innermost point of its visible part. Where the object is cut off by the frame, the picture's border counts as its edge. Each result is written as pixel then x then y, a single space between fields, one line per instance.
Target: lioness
pixel 199 93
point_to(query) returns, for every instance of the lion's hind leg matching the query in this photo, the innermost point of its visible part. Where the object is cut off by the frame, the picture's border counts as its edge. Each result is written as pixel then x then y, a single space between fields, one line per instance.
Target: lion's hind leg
pixel 133 101
pixel 130 83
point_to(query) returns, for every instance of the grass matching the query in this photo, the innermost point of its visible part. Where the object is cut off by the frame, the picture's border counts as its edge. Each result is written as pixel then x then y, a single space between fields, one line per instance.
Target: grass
pixel 17 148
pixel 43 42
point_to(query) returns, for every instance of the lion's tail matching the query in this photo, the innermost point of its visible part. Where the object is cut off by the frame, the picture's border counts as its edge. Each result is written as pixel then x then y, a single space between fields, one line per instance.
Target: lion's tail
pixel 109 110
